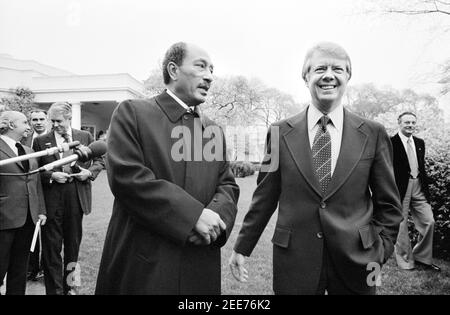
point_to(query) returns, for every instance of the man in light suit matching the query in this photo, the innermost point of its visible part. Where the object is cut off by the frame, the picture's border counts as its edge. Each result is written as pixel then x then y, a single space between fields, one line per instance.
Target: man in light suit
pixel 333 183
pixel 68 195
pixel 171 215
pixel 412 183
pixel 21 203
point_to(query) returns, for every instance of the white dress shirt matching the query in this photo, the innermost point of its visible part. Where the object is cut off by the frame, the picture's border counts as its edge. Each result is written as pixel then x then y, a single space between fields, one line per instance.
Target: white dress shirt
pixel 11 143
pixel 183 104
pixel 335 128
pixel 405 142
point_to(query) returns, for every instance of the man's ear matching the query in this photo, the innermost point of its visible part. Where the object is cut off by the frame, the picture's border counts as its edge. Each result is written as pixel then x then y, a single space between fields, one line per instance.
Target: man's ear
pixel 172 69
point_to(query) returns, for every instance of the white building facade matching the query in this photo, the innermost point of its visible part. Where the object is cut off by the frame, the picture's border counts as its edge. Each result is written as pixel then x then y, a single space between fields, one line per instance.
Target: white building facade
pixel 93 97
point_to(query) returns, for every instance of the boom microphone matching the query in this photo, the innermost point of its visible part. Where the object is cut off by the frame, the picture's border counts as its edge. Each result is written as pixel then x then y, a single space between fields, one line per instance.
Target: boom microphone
pixel 50 151
pixel 84 154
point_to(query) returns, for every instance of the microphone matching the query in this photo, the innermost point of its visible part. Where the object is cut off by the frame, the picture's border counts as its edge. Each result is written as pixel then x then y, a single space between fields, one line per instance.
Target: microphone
pixel 84 154
pixel 50 151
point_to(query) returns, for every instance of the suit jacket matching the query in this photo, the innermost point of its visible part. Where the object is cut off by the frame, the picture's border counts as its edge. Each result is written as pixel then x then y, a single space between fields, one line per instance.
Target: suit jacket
pixel 19 194
pixel 158 202
pixel 358 217
pixel 402 169
pixel 29 139
pixel 52 190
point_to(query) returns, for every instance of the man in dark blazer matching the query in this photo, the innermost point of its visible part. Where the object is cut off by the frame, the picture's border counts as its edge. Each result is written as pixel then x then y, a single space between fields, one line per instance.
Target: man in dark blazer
pixel 68 196
pixel 330 174
pixel 171 215
pixel 21 203
pixel 38 122
pixel 412 183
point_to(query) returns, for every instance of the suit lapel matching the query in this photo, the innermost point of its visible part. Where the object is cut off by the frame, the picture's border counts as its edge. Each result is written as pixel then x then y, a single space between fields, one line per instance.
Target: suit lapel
pixel 297 142
pixel 50 141
pixel 399 145
pixel 5 148
pixel 354 141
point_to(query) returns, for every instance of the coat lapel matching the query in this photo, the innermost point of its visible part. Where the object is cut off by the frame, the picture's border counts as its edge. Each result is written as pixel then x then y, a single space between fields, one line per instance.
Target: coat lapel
pixel 50 141
pixel 297 142
pixel 353 143
pixel 5 148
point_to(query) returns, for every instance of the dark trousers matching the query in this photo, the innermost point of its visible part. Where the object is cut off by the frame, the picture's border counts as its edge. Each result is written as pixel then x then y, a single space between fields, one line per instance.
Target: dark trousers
pixel 14 253
pixel 331 282
pixel 65 228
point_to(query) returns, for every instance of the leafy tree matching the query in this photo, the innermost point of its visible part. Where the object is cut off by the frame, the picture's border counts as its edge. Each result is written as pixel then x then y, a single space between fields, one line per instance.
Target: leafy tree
pixel 154 84
pixel 22 100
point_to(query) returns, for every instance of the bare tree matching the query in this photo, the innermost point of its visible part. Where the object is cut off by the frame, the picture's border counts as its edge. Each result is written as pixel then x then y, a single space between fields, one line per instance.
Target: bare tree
pixel 414 7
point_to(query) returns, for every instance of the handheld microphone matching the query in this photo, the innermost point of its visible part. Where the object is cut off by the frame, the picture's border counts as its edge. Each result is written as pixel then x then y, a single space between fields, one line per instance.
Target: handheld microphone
pixel 50 151
pixel 84 154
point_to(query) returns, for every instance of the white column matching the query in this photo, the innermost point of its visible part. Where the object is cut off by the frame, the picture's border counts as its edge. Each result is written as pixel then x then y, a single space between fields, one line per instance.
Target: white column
pixel 76 115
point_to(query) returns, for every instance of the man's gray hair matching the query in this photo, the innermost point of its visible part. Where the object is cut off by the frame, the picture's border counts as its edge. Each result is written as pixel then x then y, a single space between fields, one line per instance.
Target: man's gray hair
pixel 62 107
pixel 330 49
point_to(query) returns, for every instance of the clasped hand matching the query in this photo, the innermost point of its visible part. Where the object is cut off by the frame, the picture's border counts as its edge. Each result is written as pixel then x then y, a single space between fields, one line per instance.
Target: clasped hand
pixel 207 229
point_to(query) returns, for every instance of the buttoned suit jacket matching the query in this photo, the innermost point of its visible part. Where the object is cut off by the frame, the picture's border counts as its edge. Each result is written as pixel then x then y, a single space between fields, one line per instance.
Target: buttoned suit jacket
pixel 158 200
pixel 19 194
pixel 358 217
pixel 52 190
pixel 402 168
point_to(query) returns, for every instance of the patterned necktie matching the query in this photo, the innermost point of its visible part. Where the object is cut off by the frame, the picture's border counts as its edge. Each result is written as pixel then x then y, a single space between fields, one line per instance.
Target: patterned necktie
pixel 66 168
pixel 321 151
pixel 412 159
pixel 21 151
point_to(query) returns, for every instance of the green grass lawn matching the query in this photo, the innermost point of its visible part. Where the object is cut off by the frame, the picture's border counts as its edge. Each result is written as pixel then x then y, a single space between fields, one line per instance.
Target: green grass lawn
pixel 259 264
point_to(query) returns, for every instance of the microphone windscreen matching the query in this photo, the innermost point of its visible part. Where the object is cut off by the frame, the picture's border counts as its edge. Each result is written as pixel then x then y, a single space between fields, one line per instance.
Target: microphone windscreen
pixel 98 148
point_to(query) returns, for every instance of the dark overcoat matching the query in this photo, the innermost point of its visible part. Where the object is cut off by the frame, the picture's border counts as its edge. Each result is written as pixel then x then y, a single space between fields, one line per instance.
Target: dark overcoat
pixel 158 200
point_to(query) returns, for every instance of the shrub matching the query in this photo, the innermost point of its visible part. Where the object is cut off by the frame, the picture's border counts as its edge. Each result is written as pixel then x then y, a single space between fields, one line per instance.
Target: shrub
pixel 242 169
pixel 438 171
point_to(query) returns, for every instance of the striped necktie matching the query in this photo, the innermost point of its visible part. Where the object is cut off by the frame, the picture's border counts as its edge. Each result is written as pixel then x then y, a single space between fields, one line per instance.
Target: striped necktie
pixel 321 152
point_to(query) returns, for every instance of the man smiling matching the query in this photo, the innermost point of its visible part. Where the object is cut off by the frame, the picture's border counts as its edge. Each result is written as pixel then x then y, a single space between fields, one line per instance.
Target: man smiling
pixel 338 205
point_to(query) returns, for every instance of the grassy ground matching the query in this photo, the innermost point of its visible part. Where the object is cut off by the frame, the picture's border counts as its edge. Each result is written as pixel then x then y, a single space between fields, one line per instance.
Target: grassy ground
pixel 394 281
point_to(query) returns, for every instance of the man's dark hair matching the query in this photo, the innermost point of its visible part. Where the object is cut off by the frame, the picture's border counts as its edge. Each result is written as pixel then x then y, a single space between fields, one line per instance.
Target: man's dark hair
pixel 403 114
pixel 37 110
pixel 175 54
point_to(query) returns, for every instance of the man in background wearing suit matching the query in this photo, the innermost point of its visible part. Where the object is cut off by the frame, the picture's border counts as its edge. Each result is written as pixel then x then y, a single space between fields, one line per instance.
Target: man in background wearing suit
pixel 68 195
pixel 171 216
pixel 38 122
pixel 338 205
pixel 21 203
pixel 412 183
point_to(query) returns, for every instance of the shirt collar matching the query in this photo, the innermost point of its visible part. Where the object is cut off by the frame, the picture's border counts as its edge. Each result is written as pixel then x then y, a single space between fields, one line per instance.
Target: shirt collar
pixel 183 104
pixel 404 138
pixel 336 116
pixel 68 131
pixel 35 134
